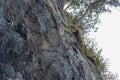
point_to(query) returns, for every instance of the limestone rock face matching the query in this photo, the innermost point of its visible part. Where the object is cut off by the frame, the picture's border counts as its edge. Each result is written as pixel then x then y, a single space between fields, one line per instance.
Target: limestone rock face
pixel 35 45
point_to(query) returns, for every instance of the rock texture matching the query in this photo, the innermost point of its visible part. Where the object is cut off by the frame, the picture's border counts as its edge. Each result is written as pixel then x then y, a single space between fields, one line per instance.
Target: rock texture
pixel 35 45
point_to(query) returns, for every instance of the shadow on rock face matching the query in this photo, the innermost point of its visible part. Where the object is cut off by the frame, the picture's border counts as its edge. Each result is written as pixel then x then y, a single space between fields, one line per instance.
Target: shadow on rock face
pixel 11 46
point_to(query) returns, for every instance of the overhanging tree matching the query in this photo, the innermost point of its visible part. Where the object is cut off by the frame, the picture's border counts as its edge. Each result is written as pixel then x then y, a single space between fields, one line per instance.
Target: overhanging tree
pixel 86 12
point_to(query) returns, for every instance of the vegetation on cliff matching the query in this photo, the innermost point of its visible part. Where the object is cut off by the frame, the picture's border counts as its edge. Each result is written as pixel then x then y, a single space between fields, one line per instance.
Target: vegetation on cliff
pixel 83 15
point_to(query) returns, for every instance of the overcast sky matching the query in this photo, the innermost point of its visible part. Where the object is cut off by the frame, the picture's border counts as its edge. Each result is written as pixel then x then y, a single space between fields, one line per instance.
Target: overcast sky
pixel 108 38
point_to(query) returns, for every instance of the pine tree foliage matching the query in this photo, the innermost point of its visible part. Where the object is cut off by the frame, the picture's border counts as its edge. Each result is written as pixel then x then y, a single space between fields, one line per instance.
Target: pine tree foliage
pixel 86 12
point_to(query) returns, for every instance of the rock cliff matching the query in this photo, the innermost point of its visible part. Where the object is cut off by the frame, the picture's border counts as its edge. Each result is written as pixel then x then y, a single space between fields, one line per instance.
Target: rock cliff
pixel 35 45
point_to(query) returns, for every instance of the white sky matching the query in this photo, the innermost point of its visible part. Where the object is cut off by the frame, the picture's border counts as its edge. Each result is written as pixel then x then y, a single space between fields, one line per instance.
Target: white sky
pixel 108 38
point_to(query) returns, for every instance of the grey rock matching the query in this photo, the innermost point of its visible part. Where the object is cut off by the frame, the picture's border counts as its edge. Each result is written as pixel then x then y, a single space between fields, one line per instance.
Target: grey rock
pixel 19 76
pixel 7 70
pixel 2 20
pixel 35 45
